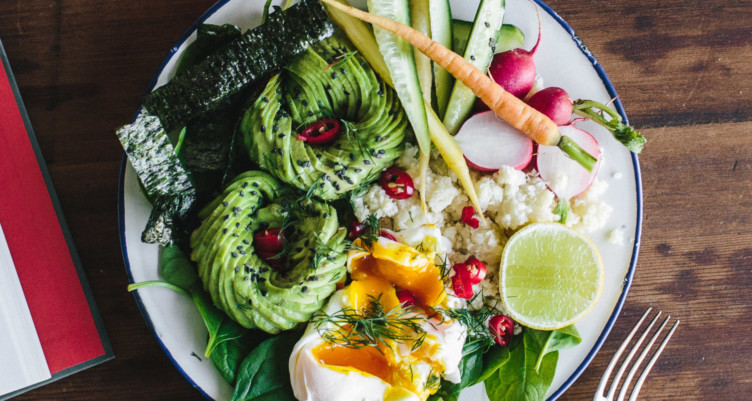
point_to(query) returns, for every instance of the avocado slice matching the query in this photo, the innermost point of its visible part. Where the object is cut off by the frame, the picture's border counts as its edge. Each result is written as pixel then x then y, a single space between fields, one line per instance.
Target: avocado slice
pixel 246 287
pixel 329 80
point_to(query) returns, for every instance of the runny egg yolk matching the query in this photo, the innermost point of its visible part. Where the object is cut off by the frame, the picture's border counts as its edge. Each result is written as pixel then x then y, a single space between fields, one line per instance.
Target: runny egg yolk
pixel 378 270
pixel 397 265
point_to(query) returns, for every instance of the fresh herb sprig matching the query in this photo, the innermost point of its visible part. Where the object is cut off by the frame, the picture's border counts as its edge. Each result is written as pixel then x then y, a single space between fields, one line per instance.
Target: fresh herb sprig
pixel 372 326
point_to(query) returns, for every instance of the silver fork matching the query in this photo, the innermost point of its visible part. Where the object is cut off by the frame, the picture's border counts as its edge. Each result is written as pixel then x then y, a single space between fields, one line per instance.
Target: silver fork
pixel 600 394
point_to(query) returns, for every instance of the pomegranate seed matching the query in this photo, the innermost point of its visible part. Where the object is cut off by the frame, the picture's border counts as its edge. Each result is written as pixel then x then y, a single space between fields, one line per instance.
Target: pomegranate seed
pixel 502 329
pixel 468 217
pixel 397 183
pixel 477 270
pixel 356 230
pixel 461 284
pixel 406 298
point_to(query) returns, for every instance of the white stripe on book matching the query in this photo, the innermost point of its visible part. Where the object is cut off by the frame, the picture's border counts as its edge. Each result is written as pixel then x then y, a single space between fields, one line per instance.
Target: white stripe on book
pixel 22 361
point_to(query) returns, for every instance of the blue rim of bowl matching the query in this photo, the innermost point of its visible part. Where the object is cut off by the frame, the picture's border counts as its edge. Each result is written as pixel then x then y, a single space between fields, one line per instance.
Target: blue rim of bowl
pixel 638 190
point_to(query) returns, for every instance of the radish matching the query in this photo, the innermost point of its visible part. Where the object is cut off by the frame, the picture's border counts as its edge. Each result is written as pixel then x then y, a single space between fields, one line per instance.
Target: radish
pixel 563 175
pixel 488 143
pixel 514 70
pixel 554 102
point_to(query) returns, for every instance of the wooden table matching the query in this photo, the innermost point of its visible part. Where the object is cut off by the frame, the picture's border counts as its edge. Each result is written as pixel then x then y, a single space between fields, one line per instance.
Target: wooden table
pixel 683 70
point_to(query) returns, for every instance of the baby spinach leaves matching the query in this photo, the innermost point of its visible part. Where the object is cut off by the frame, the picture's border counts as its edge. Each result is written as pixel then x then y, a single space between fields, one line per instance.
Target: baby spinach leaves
pixel 531 364
pixel 264 374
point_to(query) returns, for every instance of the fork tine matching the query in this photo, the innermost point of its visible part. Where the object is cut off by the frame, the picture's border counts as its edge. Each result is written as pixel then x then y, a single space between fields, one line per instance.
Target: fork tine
pixel 641 379
pixel 600 391
pixel 641 357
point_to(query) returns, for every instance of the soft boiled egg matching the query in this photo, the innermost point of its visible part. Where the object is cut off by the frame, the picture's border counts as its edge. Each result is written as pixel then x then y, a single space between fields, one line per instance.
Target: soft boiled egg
pixel 326 365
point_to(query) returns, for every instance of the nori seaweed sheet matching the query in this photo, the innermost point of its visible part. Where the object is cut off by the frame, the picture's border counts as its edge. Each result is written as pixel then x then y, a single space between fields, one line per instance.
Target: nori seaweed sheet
pixel 208 85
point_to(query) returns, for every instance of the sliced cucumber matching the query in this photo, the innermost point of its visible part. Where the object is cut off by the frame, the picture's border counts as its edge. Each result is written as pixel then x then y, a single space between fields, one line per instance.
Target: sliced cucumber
pixel 400 60
pixel 441 32
pixel 421 21
pixel 481 47
pixel 460 34
pixel 510 37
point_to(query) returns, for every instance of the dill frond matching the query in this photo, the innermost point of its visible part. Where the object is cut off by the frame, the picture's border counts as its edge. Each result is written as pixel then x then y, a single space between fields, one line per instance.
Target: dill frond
pixel 372 327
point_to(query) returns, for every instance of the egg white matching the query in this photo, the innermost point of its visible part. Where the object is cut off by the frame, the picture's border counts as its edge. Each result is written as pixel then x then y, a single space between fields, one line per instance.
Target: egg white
pixel 314 381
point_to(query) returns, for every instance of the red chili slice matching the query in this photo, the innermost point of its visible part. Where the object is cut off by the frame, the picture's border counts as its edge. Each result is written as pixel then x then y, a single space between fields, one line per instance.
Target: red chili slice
pixel 397 183
pixel 477 269
pixel 468 217
pixel 271 240
pixel 461 284
pixel 387 235
pixel 502 329
pixel 320 132
pixel 407 298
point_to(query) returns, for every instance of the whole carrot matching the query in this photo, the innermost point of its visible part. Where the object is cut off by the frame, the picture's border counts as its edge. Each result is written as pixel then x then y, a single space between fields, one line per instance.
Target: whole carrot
pixel 521 116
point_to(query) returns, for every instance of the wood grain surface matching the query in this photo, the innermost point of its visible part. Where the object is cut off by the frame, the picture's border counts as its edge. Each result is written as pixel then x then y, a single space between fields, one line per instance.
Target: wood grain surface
pixel 683 70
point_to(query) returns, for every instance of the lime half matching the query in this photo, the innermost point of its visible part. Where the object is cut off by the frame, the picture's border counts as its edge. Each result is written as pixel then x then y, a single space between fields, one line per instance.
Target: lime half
pixel 551 276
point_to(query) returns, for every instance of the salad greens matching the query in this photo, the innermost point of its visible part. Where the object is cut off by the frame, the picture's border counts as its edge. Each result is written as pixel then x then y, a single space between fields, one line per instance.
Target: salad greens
pixel 264 375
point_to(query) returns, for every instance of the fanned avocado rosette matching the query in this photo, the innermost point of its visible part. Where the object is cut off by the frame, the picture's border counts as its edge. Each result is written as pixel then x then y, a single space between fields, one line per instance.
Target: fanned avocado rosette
pixel 326 124
pixel 258 290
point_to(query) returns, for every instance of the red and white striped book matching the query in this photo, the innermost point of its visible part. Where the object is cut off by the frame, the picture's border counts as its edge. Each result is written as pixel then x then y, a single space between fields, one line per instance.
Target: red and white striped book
pixel 46 308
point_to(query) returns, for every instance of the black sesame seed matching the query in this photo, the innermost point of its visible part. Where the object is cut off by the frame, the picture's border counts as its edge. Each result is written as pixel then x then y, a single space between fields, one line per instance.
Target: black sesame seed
pixel 233 254
pixel 334 75
pixel 335 185
pixel 367 162
pixel 225 204
pixel 379 138
pixel 245 184
pixel 358 170
pixel 242 193
pixel 352 156
pixel 487 24
pixel 262 129
pixel 224 231
pixel 281 136
pixel 246 278
pixel 472 57
pixel 237 269
pixel 227 216
pixel 342 70
pixel 239 247
pixel 256 184
pixel 310 113
pixel 275 128
pixel 304 103
pixel 250 302
pixel 235 235
pixel 304 289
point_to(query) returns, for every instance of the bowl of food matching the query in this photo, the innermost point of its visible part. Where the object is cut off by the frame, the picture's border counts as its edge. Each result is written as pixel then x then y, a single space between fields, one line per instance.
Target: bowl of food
pixel 334 216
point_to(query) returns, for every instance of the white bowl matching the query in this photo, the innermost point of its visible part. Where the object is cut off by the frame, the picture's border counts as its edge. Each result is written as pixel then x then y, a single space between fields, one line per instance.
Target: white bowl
pixel 562 60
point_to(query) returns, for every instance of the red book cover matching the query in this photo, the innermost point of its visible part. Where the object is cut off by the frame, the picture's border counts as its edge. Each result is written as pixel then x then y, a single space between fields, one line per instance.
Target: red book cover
pixel 65 317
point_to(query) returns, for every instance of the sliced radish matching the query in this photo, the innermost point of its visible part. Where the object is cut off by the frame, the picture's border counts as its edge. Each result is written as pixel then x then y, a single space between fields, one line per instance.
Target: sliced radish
pixel 564 176
pixel 489 143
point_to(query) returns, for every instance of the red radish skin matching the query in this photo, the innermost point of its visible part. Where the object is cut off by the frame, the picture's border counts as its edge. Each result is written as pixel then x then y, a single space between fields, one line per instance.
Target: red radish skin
pixel 554 102
pixel 489 143
pixel 514 70
pixel 563 175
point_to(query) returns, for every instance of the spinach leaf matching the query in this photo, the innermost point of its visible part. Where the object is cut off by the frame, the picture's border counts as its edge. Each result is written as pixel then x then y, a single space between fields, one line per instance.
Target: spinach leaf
pixel 228 355
pixel 176 269
pixel 471 368
pixel 529 370
pixel 264 374
pixel 492 361
pixel 220 327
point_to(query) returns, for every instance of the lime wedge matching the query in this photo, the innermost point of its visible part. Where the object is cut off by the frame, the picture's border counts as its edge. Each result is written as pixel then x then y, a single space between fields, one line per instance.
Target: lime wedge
pixel 551 276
